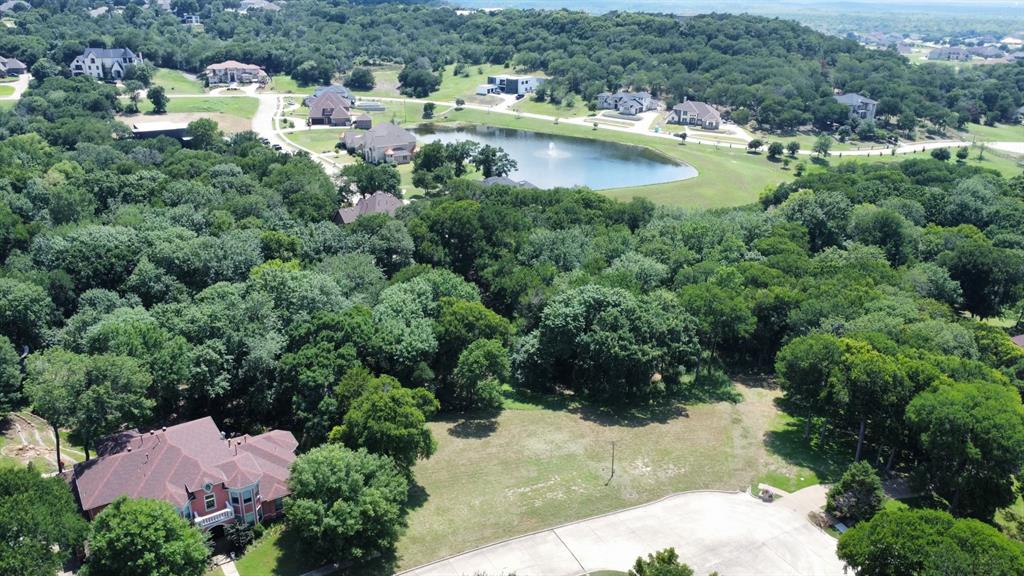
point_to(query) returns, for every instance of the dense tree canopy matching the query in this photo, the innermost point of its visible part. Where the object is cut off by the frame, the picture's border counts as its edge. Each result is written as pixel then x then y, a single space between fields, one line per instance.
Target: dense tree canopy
pixel 39 522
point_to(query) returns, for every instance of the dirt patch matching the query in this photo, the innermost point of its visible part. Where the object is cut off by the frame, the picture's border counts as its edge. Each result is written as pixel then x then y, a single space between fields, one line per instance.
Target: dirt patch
pixel 228 123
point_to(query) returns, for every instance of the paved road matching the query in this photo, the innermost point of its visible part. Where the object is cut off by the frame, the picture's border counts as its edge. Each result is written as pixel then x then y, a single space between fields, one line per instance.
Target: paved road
pixel 733 533
pixel 20 85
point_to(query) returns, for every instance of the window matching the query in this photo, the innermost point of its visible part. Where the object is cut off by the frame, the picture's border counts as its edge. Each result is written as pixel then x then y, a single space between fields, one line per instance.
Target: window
pixel 211 501
pixel 248 498
pixel 234 499
pixel 278 504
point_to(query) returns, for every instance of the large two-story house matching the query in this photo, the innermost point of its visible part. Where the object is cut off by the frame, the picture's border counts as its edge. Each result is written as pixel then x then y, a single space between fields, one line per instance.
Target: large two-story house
pixel 629 103
pixel 693 113
pixel 860 106
pixel 329 108
pixel 208 478
pixel 105 63
pixel 382 144
pixel 231 71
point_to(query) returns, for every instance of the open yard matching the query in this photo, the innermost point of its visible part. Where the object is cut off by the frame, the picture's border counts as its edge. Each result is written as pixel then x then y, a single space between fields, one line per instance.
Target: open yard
pixel 531 106
pixel 175 82
pixel 241 106
pixel 997 133
pixel 318 140
pixel 27 438
pixel 285 84
pixel 385 82
pixel 535 467
pixel 6 90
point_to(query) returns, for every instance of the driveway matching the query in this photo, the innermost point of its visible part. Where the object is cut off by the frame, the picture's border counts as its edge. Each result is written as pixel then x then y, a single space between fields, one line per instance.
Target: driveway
pixel 732 533
pixel 20 85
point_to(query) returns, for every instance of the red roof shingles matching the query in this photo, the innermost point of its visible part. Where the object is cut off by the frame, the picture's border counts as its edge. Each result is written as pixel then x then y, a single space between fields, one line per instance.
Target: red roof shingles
pixel 168 464
pixel 1018 340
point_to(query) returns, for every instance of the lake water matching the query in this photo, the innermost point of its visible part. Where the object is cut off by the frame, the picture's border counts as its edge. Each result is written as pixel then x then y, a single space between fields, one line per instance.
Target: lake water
pixel 549 161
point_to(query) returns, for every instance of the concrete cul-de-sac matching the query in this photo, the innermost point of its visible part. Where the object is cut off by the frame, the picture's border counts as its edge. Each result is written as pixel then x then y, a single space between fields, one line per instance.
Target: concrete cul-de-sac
pixel 732 533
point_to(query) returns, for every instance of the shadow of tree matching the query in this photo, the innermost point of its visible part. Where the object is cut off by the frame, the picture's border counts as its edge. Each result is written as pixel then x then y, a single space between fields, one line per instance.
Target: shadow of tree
pixel 633 416
pixel 418 496
pixel 827 461
pixel 473 428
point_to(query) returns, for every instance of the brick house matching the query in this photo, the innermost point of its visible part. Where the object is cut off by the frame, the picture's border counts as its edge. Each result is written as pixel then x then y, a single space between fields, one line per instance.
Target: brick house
pixel 209 479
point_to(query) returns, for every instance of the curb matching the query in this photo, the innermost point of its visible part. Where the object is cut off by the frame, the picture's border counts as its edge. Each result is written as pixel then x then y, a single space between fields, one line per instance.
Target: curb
pixel 565 525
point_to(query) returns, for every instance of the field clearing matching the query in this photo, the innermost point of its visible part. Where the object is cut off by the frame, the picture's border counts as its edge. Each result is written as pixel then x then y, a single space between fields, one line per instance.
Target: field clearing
pixel 727 177
pixel 453 86
pixel 175 82
pixel 240 106
pixel 997 133
pixel 531 106
pixel 26 438
pixel 228 123
pixel 6 90
pixel 285 84
pixel 320 140
pixel 385 82
pixel 534 468
pixel 1002 162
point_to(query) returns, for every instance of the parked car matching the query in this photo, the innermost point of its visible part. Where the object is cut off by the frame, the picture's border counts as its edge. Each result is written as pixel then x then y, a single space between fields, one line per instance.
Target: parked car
pixel 277 147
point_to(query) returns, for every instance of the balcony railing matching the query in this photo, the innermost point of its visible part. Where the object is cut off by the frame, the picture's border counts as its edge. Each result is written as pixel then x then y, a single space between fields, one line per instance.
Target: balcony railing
pixel 218 517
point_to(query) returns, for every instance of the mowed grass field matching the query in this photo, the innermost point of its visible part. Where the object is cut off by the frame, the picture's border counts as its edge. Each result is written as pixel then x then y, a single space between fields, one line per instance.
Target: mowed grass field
pixel 241 106
pixel 318 140
pixel 6 90
pixel 727 177
pixel 385 82
pixel 997 133
pixel 534 468
pixel 285 84
pixel 530 106
pixel 174 82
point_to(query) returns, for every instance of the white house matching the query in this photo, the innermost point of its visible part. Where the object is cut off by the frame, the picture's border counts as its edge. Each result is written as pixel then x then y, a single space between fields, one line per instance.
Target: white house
pixel 105 63
pixel 518 85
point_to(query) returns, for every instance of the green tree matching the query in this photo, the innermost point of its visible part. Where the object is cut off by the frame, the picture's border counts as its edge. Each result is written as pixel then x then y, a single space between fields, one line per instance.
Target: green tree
pixel 972 437
pixel 804 367
pixel 858 494
pixel 370 178
pixel 775 149
pixel 346 504
pixel 884 228
pixel 10 377
pixel 661 563
pixel 928 543
pixel 141 537
pixel 493 161
pixel 941 154
pixel 39 522
pixel 792 147
pixel 961 153
pixel 205 133
pixel 361 79
pixel 25 311
pixel 822 145
pixel 428 110
pixel 158 97
pixel 390 420
pixel 755 144
pixel 45 68
pixel 482 371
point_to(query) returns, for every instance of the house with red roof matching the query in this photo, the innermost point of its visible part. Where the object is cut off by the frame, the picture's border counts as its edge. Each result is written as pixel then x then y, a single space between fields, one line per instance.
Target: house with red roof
pixel 210 479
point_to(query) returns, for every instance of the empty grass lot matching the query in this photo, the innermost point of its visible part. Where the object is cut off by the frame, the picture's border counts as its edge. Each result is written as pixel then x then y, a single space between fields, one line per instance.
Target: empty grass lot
pixel 6 90
pixel 727 177
pixel 174 82
pixel 241 106
pixel 284 83
pixel 318 140
pixel 997 133
pixel 530 106
pixel 535 467
pixel 385 82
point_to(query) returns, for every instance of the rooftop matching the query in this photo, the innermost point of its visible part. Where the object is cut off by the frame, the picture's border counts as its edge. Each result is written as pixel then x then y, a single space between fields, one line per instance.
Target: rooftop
pixel 376 203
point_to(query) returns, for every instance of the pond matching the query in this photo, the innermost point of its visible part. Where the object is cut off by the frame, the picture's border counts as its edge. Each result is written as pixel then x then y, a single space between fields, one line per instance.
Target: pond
pixel 550 161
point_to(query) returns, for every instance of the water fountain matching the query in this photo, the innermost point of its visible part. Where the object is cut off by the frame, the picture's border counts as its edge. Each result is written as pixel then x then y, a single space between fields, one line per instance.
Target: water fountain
pixel 552 152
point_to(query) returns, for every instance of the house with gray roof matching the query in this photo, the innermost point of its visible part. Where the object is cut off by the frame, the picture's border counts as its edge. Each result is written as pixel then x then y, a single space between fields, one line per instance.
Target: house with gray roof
pixel 329 109
pixel 693 113
pixel 12 6
pixel 860 106
pixel 105 63
pixel 384 143
pixel 949 53
pixel 332 89
pixel 629 103
pixel 208 478
pixel 247 5
pixel 12 67
pixel 376 203
pixel 506 181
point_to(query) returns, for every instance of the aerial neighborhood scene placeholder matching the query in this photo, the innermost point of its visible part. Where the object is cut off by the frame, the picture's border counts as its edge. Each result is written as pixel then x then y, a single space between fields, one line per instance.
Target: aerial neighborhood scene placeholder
pixel 500 287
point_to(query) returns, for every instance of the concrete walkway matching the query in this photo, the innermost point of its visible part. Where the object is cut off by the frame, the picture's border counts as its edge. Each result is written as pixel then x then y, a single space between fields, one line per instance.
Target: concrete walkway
pixel 733 533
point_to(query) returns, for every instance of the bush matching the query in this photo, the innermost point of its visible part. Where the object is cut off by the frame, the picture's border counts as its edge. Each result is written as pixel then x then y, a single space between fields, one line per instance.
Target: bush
pixel 858 494
pixel 941 154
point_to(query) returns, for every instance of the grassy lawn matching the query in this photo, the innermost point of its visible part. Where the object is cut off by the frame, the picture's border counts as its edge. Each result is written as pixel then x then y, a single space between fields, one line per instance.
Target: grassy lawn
pixel 285 83
pixel 727 177
pixel 997 133
pixel 7 104
pixel 531 106
pixel 277 553
pixel 385 82
pixel 1004 163
pixel 6 90
pixel 534 467
pixel 174 82
pixel 403 113
pixel 319 140
pixel 241 106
